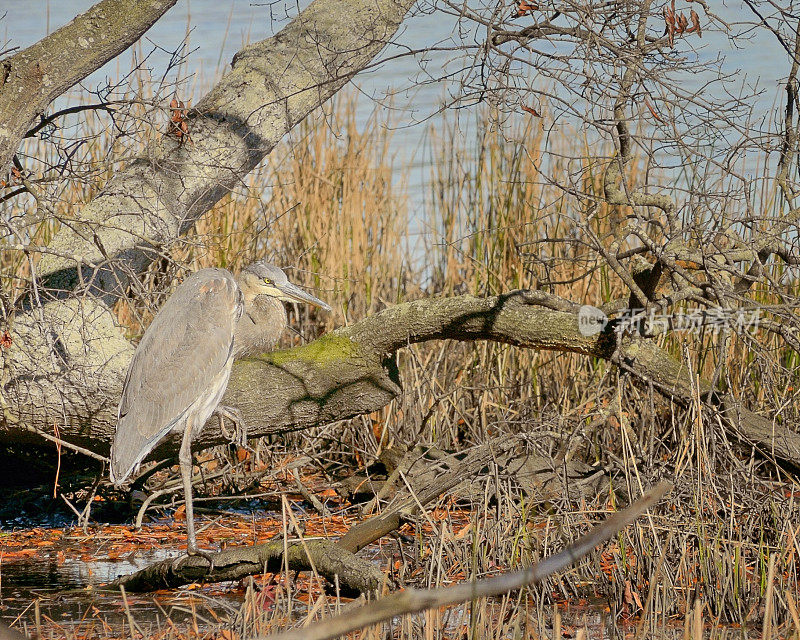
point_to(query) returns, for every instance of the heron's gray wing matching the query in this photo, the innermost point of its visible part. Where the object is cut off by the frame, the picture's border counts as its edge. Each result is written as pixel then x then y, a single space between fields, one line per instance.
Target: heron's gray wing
pixel 185 347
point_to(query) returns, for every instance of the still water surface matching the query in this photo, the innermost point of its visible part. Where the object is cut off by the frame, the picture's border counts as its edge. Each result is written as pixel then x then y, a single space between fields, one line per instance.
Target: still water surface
pixel 216 30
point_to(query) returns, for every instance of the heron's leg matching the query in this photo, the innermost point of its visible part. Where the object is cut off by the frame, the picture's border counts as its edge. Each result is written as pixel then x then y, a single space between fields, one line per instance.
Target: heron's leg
pixel 239 436
pixel 185 459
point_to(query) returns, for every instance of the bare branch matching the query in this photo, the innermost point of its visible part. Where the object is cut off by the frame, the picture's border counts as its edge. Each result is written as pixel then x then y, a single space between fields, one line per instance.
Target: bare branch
pixel 413 601
pixel 31 79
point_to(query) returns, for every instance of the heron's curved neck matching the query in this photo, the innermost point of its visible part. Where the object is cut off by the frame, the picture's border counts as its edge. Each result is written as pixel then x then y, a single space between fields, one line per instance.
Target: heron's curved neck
pixel 261 324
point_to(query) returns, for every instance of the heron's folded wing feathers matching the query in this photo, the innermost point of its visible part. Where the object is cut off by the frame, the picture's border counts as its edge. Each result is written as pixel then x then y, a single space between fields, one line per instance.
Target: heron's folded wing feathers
pixel 186 346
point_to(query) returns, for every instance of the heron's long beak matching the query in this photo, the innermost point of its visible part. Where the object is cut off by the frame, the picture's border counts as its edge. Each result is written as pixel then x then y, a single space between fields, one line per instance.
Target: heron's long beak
pixel 292 293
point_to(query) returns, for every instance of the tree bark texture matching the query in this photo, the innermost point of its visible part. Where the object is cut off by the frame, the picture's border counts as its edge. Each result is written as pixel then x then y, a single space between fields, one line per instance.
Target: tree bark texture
pixel 31 79
pixel 327 558
pixel 68 357
pixel 273 85
pixel 351 372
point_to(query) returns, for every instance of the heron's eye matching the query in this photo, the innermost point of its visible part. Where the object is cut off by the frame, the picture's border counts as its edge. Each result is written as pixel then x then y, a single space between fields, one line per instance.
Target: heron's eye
pixel 267 281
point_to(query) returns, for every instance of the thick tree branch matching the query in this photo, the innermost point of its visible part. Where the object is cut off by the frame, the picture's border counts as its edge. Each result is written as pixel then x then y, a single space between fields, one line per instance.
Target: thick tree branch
pixel 350 372
pixel 327 558
pixel 31 79
pixel 274 84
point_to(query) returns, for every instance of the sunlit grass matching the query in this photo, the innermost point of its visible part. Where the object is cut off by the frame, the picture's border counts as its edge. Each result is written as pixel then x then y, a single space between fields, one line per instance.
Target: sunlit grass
pixel 331 205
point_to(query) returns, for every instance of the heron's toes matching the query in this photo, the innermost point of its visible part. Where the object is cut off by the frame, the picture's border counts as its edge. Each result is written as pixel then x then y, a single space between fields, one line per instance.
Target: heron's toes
pixel 203 554
pixel 241 440
pixel 239 436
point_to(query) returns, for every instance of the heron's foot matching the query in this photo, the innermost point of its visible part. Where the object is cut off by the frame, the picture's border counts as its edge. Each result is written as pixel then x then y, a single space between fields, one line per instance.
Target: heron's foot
pixel 239 435
pixel 194 551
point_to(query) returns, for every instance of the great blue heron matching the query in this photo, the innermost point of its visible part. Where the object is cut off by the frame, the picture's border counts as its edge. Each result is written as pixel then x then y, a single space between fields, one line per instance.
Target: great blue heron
pixel 181 367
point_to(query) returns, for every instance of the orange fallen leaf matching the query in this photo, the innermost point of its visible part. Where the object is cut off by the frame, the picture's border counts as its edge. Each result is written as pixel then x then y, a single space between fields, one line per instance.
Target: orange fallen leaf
pixel 631 598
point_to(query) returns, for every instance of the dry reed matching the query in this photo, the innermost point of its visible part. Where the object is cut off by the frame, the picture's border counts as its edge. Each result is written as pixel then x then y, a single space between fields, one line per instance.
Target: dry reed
pixel 331 206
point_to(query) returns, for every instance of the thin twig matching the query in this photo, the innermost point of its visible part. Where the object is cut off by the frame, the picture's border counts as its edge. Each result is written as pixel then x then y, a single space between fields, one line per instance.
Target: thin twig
pixel 413 601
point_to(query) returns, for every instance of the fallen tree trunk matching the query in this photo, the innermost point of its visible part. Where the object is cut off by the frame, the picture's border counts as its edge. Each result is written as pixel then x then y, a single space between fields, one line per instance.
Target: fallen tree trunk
pixel 413 600
pixel 350 372
pixel 336 561
pixel 325 557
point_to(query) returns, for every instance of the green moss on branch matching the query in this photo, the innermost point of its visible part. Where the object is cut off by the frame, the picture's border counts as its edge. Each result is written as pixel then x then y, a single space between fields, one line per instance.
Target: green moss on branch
pixel 323 351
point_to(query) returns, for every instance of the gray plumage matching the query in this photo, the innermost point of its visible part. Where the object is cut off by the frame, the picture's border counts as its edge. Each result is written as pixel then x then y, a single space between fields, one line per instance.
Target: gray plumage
pixel 181 367
pixel 264 318
pixel 189 342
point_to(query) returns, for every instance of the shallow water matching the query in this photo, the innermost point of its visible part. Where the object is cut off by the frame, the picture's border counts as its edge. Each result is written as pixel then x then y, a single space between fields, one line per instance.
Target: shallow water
pixel 63 585
pixel 58 570
pixel 61 579
pixel 21 577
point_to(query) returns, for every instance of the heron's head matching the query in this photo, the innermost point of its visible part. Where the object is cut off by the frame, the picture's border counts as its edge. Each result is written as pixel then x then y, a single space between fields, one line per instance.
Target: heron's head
pixel 265 279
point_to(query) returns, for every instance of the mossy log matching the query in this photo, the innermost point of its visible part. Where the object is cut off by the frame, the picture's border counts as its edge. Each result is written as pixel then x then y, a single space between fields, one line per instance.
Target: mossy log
pixel 325 557
pixel 352 372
